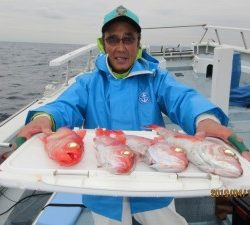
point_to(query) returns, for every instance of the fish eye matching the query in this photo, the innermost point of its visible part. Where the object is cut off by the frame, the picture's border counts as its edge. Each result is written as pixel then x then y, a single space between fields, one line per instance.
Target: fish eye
pixel 126 152
pixel 178 149
pixel 229 152
pixel 72 145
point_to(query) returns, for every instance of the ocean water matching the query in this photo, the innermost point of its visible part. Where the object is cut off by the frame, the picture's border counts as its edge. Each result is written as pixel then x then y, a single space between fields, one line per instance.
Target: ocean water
pixel 25 71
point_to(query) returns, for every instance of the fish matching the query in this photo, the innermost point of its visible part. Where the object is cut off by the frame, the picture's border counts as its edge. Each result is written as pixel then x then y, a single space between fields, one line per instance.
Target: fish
pixel 138 144
pixel 65 146
pixel 112 152
pixel 165 157
pixel 208 156
pixel 157 153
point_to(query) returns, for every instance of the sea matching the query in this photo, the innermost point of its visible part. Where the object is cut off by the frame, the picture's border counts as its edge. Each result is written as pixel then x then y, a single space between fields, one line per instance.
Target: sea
pixel 25 72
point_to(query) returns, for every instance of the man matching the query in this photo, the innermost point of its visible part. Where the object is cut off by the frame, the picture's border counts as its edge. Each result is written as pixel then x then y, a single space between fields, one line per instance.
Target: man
pixel 127 91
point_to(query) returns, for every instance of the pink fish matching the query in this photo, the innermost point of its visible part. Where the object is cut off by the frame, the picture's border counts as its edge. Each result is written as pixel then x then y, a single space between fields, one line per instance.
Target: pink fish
pixel 165 157
pixel 65 146
pixel 208 156
pixel 112 153
pixel 139 144
pixel 136 143
pixel 157 153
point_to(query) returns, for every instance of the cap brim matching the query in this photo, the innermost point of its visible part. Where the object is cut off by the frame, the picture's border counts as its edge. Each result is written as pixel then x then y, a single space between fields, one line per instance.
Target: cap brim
pixel 121 18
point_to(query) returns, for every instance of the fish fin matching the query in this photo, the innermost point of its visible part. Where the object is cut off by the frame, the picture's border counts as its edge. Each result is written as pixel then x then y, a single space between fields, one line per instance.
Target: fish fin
pixel 157 139
pixel 115 134
pixel 121 139
pixel 81 133
pixel 152 126
pixel 99 132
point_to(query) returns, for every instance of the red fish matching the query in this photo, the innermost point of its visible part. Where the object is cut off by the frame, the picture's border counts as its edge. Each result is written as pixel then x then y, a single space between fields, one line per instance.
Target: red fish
pixel 139 144
pixel 65 146
pixel 208 156
pixel 165 157
pixel 112 153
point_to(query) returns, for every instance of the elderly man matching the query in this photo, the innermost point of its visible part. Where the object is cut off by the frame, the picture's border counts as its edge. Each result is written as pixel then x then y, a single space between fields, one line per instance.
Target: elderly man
pixel 128 90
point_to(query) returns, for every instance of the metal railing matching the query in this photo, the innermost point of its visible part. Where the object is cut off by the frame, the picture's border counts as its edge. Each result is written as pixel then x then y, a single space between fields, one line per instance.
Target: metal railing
pixel 217 28
pixel 67 58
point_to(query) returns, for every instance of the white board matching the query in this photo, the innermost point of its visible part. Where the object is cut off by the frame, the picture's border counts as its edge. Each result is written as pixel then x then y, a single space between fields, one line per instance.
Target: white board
pixel 30 167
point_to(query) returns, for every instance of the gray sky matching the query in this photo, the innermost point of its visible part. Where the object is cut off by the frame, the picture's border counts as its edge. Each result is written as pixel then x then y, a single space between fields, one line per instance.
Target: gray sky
pixel 79 21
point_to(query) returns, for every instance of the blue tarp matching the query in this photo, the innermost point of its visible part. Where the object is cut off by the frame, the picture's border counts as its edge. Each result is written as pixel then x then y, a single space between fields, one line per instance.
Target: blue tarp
pixel 240 96
pixel 61 215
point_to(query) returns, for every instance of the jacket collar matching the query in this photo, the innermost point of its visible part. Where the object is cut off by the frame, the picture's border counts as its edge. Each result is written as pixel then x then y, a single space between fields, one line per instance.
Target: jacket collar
pixel 143 66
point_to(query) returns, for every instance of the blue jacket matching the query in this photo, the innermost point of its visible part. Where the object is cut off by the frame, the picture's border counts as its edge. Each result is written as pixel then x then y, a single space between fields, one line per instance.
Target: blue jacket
pixel 98 99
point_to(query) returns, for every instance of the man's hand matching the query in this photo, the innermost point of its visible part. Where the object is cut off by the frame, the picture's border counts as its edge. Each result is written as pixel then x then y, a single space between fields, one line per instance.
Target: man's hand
pixel 40 124
pixel 213 129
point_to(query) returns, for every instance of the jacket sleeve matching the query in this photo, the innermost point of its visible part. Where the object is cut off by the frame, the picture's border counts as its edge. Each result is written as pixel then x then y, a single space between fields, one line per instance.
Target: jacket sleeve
pixel 70 107
pixel 183 104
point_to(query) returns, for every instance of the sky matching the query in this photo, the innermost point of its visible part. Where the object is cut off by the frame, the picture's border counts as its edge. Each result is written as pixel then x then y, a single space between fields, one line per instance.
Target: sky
pixel 80 21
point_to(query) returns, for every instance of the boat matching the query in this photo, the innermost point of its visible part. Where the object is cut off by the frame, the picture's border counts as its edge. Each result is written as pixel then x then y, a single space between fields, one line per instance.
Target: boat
pixel 205 65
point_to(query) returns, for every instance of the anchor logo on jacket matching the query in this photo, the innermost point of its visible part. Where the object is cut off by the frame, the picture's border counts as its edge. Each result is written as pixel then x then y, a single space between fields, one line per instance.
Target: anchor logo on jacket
pixel 144 97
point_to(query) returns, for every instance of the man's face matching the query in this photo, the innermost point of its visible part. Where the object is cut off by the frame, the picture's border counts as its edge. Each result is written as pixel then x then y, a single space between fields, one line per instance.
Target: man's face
pixel 121 42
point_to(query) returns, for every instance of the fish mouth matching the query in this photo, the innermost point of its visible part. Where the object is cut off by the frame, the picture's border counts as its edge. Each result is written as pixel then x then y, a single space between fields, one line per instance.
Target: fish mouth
pixel 72 155
pixel 72 150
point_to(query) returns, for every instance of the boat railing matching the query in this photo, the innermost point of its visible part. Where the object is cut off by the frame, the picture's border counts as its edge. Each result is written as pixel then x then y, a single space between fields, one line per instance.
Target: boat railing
pixel 216 28
pixel 202 46
pixel 170 52
pixel 208 46
pixel 222 60
pixel 67 59
pixel 219 31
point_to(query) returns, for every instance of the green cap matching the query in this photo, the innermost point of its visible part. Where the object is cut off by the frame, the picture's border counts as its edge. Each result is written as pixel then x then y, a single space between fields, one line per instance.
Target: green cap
pixel 121 13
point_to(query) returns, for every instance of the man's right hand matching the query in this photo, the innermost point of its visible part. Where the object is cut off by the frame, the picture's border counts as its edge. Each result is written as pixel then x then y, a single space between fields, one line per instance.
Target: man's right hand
pixel 41 124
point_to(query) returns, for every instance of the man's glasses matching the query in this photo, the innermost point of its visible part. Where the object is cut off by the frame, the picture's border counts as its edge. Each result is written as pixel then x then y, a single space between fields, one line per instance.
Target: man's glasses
pixel 115 40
